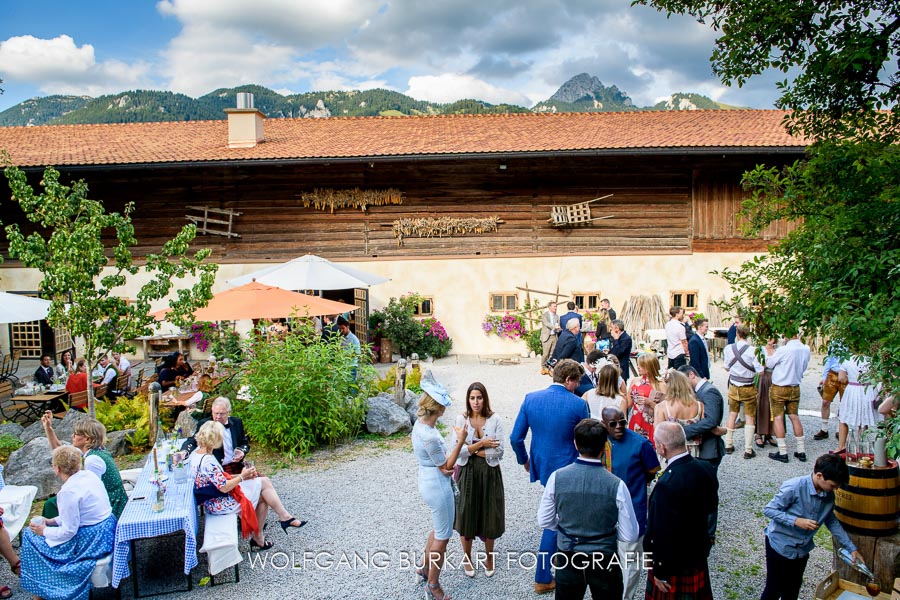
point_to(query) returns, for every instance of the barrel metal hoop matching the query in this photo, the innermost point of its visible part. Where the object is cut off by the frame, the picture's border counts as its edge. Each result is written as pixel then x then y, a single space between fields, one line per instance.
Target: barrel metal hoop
pixel 867 516
pixel 872 473
pixel 865 491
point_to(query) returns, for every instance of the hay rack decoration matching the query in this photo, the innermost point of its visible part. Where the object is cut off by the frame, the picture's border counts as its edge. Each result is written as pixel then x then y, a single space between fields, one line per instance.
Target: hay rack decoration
pixel 329 199
pixel 443 227
pixel 223 217
pixel 575 214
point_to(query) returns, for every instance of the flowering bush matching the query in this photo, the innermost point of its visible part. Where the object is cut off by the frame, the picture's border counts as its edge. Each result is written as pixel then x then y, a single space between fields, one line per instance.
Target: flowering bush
pixel 203 333
pixel 436 342
pixel 508 326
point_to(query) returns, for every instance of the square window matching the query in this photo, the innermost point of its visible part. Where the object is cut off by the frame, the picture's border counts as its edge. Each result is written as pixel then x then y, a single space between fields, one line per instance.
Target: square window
pixel 686 299
pixel 504 301
pixel 425 308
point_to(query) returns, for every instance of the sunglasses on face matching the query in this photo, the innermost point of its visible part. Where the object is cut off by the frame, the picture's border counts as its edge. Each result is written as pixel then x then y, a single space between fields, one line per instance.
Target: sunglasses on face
pixel 619 423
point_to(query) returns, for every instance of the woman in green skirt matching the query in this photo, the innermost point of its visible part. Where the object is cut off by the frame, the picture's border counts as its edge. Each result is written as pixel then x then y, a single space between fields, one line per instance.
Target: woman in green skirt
pixel 480 507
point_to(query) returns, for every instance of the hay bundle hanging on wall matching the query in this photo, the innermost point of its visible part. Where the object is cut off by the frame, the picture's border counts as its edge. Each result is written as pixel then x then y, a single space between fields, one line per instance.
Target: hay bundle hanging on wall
pixel 323 199
pixel 443 227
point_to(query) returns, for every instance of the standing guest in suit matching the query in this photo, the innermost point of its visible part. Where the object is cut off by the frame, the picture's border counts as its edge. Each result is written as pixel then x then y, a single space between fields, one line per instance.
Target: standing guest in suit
pixel 589 379
pixel 682 501
pixel 572 314
pixel 621 345
pixel 592 511
pixel 481 507
pixel 550 328
pixel 788 365
pixel 697 348
pixel 710 430
pixel 801 506
pixel 604 304
pixel 732 331
pixel 551 415
pixel 235 445
pixel 569 344
pixel 44 373
pixel 631 458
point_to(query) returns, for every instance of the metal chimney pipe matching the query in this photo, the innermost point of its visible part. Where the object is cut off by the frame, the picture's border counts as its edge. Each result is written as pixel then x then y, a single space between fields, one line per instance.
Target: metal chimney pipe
pixel 245 100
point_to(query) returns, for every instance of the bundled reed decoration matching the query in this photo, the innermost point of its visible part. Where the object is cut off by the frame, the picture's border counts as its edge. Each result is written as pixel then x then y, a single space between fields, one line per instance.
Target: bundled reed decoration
pixel 641 313
pixel 323 199
pixel 443 227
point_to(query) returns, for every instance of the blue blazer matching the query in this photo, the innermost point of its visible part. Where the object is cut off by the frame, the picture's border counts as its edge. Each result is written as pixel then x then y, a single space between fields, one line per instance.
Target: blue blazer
pixel 568 345
pixel 699 355
pixel 552 415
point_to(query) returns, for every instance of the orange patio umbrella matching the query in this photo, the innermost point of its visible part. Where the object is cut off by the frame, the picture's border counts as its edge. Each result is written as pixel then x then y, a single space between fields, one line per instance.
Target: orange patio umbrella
pixel 258 301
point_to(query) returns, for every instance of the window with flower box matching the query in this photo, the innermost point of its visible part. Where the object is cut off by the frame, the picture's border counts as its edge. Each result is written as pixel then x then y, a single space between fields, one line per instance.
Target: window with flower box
pixel 685 299
pixel 425 308
pixel 504 301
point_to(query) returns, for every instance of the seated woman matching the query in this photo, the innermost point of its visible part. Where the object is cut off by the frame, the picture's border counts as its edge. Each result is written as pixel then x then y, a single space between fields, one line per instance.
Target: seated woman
pixel 89 436
pixel 6 550
pixel 66 366
pixel 223 495
pixel 59 555
pixel 174 367
pixel 78 381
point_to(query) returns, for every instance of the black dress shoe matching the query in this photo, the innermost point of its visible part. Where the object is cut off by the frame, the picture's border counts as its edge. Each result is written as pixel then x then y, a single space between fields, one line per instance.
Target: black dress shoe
pixel 729 449
pixel 821 435
pixel 779 457
pixel 801 456
pixel 750 453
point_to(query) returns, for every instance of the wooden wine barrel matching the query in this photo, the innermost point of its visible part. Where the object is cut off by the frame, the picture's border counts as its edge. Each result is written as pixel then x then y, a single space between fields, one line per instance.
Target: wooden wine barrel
pixel 870 503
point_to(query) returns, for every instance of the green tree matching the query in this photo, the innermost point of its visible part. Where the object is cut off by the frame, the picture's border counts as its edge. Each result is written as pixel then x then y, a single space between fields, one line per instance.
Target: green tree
pixel 84 279
pixel 838 272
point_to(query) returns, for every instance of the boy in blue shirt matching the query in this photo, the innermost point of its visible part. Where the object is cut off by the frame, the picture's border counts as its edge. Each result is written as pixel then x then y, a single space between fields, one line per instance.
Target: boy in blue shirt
pixel 801 506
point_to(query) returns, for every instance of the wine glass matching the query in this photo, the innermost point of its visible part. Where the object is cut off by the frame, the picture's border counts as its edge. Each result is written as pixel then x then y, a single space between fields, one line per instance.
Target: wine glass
pixel 873 588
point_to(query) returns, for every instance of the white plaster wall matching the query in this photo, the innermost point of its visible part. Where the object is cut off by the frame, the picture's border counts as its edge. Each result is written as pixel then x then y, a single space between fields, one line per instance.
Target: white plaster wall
pixel 461 287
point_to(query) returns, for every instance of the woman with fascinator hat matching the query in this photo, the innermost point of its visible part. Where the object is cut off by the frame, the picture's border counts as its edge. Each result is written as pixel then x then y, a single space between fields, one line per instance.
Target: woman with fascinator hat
pixel 435 469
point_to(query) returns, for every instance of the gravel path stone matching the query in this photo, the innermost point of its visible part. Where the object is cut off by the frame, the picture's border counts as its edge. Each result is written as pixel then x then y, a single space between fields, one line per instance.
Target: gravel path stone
pixel 367 521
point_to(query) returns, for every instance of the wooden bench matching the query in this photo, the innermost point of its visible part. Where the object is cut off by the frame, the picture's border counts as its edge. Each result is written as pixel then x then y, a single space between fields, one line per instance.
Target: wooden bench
pixel 220 543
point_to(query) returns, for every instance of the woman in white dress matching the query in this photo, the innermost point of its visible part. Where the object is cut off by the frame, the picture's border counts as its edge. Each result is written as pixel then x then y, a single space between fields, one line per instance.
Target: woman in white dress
pixel 856 410
pixel 607 393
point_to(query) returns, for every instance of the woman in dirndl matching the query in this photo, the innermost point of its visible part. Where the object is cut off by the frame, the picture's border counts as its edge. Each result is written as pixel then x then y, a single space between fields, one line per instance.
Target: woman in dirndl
pixel 480 508
pixel 59 554
pixel 765 429
pixel 6 549
pixel 857 404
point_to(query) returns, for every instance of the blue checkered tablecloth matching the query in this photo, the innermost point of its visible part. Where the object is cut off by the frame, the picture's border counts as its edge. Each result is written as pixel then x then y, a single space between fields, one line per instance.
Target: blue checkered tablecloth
pixel 139 521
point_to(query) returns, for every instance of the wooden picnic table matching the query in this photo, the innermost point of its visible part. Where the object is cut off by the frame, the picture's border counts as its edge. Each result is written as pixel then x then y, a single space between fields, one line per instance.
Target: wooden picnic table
pixel 34 406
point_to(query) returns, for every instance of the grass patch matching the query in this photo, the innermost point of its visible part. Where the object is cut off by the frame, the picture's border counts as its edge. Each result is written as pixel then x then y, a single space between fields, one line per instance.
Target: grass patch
pixel 823 539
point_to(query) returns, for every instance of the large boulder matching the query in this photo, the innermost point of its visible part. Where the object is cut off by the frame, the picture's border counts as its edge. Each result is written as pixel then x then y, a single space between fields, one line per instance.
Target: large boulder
pixel 64 427
pixel 385 417
pixel 30 465
pixel 13 429
pixel 186 423
pixel 117 442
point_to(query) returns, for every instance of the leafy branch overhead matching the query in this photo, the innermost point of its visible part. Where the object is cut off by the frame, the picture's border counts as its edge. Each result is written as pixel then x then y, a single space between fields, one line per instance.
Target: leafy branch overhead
pixel 85 280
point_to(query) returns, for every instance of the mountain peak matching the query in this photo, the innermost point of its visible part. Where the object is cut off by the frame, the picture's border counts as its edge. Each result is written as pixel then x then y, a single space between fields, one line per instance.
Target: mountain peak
pixel 578 87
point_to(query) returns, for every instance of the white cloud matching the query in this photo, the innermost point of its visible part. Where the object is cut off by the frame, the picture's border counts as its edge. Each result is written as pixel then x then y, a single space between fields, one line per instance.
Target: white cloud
pixel 449 87
pixel 59 66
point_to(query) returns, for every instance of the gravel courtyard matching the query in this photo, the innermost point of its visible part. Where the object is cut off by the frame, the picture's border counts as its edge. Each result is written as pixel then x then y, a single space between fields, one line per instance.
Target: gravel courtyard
pixel 367 521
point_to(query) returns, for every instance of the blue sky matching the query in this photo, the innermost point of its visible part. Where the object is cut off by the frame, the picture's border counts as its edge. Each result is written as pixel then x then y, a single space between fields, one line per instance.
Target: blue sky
pixel 516 51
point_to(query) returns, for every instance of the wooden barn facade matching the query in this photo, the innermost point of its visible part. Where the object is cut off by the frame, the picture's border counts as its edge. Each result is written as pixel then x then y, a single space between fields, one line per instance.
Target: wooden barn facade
pixel 459 209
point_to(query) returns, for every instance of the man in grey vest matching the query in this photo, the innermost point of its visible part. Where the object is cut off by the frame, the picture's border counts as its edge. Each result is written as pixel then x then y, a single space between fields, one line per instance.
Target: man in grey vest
pixel 591 510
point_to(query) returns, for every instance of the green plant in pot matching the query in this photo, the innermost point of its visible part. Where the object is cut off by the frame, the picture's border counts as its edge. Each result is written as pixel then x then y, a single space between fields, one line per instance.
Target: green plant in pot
pixel 400 326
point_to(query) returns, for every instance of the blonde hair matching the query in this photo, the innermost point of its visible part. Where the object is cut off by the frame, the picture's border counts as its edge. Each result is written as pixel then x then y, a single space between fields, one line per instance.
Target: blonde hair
pixel 67 459
pixel 608 381
pixel 679 389
pixel 93 430
pixel 210 435
pixel 428 406
pixel 650 364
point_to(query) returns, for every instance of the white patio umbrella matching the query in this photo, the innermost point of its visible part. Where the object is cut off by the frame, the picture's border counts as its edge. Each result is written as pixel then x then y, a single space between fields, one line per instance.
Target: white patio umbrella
pixel 311 272
pixel 16 308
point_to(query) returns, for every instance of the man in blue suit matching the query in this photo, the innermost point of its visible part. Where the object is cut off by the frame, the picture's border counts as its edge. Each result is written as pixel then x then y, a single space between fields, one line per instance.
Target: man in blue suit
pixel 697 348
pixel 551 415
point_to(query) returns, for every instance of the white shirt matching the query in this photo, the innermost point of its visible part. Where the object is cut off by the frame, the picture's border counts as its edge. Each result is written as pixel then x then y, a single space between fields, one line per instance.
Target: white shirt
pixel 493 428
pixel 124 365
pixel 789 363
pixel 627 527
pixel 227 447
pixel 675 333
pixel 82 501
pixel 737 369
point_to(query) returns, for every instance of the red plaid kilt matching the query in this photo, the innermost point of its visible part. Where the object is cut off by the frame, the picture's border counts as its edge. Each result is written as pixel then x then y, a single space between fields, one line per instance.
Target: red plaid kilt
pixel 692 584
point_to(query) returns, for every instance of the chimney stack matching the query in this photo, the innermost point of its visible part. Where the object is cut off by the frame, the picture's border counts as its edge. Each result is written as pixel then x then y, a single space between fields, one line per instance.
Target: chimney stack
pixel 245 123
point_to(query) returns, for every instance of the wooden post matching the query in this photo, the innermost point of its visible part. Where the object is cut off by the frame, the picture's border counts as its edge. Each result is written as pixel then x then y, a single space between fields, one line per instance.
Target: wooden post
pixel 153 397
pixel 400 383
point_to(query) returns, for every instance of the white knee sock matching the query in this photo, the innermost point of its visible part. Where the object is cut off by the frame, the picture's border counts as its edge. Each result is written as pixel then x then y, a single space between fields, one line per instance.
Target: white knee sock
pixel 782 445
pixel 825 425
pixel 729 438
pixel 801 444
pixel 748 438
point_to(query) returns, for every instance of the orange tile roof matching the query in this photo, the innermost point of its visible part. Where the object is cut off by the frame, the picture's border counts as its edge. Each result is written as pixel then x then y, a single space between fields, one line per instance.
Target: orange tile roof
pixel 370 137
